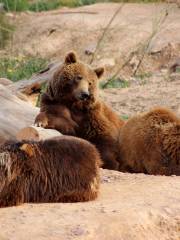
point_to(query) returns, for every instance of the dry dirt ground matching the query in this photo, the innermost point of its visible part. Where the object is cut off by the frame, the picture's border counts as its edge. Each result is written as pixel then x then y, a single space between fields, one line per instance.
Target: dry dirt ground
pixel 129 207
pixel 52 34
pixel 133 100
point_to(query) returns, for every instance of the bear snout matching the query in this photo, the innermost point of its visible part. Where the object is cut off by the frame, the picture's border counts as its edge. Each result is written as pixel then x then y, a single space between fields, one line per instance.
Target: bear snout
pixel 84 95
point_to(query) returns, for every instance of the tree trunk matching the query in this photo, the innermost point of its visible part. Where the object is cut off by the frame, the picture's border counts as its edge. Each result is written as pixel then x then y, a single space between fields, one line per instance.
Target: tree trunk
pixel 15 114
pixel 29 86
pixel 36 133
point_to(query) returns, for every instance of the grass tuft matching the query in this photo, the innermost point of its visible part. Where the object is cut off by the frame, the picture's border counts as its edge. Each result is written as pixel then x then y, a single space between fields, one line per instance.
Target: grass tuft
pixel 20 68
pixel 44 5
pixel 115 83
pixel 15 5
pixel 124 117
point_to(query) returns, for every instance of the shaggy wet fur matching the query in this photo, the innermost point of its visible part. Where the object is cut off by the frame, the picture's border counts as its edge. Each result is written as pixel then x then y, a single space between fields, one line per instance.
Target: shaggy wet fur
pixel 62 169
pixel 150 143
pixel 91 119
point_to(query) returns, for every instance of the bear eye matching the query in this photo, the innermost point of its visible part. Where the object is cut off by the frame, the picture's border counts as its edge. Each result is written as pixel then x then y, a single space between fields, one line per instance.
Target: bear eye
pixel 90 83
pixel 79 77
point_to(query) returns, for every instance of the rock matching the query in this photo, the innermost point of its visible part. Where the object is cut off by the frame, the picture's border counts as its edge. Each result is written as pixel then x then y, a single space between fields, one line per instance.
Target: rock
pixel 131 206
pixel 5 81
pixel 174 66
pixel 107 62
pixel 90 49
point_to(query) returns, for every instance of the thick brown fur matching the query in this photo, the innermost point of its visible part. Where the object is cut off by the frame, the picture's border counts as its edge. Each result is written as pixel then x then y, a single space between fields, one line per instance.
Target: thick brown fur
pixel 64 108
pixel 61 169
pixel 150 143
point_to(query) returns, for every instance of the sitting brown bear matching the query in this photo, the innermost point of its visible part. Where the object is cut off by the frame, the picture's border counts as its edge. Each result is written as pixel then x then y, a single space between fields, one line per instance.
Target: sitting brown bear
pixel 72 106
pixel 61 169
pixel 150 143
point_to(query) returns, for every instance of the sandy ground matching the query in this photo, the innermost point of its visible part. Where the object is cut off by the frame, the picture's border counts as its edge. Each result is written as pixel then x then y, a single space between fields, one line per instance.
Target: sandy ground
pixel 130 206
pixel 130 101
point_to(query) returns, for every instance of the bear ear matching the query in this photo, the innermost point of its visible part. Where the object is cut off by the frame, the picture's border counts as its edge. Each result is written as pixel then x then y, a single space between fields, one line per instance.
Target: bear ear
pixel 99 72
pixel 71 58
pixel 28 149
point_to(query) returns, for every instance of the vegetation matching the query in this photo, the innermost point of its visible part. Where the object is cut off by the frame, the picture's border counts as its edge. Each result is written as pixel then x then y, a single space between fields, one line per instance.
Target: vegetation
pixel 21 67
pixel 178 69
pixel 15 5
pixel 43 89
pixel 6 30
pixel 115 83
pixel 45 5
pixel 42 5
pixel 124 117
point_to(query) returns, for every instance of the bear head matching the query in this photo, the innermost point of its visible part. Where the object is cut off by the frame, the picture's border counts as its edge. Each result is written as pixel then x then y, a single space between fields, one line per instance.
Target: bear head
pixel 75 81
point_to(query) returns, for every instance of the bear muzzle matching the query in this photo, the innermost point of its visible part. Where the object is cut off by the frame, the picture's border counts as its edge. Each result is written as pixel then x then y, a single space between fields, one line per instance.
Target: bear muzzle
pixel 84 95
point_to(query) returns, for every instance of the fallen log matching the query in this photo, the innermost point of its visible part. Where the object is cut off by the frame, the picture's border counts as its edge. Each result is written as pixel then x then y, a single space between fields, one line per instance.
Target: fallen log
pixel 33 85
pixel 36 133
pixel 5 81
pixel 15 114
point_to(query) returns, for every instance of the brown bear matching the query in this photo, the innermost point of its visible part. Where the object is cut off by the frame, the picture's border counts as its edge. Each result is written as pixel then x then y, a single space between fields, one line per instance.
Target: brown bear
pixel 61 169
pixel 72 106
pixel 150 143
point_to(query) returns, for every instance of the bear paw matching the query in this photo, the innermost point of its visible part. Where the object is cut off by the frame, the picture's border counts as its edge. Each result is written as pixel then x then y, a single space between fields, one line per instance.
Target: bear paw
pixel 41 121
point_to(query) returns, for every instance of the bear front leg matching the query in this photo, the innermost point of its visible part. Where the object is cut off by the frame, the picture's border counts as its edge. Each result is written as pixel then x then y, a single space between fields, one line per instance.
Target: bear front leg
pixel 63 124
pixel 109 154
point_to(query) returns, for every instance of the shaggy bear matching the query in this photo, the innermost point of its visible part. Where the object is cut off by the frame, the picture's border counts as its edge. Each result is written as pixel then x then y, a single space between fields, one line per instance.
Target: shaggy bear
pixel 72 106
pixel 61 169
pixel 150 143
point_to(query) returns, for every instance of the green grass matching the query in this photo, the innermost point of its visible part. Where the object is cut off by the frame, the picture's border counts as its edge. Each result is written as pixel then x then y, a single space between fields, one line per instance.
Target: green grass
pixel 45 5
pixel 43 89
pixel 15 5
pixel 6 30
pixel 20 68
pixel 124 117
pixel 178 69
pixel 115 83
pixel 42 5
pixel 143 77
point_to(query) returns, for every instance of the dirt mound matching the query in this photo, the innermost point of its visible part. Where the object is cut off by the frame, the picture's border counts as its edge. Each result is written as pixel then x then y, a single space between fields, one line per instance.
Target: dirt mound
pixel 52 34
pixel 130 206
